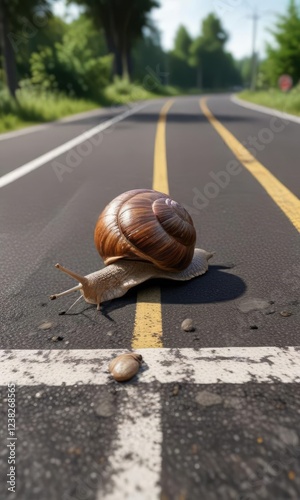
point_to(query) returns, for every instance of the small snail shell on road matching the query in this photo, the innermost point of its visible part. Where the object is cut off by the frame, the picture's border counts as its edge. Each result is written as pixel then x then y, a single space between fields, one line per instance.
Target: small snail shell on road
pixel 141 234
pixel 125 366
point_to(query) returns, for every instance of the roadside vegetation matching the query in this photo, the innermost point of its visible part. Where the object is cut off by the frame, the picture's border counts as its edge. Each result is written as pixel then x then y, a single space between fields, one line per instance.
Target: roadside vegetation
pixel 110 54
pixel 50 68
pixel 286 102
pixel 282 59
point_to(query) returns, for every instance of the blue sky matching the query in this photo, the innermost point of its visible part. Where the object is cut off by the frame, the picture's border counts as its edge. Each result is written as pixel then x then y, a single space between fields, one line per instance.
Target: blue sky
pixel 235 15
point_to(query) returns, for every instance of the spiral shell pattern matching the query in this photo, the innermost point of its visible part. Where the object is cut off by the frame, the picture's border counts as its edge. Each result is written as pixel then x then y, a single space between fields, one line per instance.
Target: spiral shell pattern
pixel 146 225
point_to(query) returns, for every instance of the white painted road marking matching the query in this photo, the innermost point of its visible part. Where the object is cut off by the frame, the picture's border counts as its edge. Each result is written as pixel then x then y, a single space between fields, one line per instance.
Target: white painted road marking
pixel 228 365
pixel 265 109
pixel 138 429
pixel 140 434
pixel 63 148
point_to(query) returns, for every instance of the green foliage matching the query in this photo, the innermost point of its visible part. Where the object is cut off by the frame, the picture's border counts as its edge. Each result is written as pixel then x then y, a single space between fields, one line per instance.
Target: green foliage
pixel 74 65
pixel 36 106
pixel 38 38
pixel 216 68
pixel 181 73
pixel 284 58
pixel 182 43
pixel 123 22
pixel 286 102
pixel 245 68
pixel 149 61
pixel 122 91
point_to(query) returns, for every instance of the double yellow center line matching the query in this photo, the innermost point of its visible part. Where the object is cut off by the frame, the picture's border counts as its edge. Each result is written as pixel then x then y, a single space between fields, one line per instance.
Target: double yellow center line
pixel 148 317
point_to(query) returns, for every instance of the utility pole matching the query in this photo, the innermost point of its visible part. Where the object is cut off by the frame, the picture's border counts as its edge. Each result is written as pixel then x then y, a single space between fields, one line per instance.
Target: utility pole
pixel 255 19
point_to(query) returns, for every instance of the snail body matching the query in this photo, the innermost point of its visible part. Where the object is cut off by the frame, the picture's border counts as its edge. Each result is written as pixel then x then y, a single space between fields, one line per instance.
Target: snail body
pixel 125 366
pixel 141 234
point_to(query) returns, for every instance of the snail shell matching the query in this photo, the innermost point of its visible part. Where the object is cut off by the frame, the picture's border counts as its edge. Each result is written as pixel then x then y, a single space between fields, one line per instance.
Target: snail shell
pixel 148 226
pixel 125 366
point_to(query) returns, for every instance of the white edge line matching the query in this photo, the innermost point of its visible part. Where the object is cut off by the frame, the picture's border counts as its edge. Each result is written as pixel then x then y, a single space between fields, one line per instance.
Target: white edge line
pixel 264 109
pixel 54 153
pixel 23 131
pixel 66 119
pixel 231 365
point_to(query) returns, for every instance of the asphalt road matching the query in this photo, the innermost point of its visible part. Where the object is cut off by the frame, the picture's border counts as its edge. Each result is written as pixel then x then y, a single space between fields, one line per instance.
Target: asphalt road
pixel 244 442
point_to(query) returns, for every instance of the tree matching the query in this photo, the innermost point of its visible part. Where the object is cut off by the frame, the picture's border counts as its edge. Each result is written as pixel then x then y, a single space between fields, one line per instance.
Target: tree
pixel 123 22
pixel 286 56
pixel 77 65
pixel 50 34
pixel 216 68
pixel 149 61
pixel 182 74
pixel 17 18
pixel 182 43
pixel 245 68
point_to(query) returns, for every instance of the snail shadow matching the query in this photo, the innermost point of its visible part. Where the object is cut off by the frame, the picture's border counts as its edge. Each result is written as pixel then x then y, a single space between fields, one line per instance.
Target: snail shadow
pixel 216 285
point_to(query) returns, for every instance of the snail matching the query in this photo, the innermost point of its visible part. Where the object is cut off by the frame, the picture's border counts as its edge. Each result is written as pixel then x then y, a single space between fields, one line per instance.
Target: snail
pixel 141 234
pixel 125 366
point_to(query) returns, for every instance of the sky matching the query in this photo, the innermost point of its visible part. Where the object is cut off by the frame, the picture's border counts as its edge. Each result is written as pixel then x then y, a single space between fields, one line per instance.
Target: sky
pixel 235 16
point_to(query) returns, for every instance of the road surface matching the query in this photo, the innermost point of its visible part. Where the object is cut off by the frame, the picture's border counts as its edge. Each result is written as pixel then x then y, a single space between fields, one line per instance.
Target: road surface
pixel 214 413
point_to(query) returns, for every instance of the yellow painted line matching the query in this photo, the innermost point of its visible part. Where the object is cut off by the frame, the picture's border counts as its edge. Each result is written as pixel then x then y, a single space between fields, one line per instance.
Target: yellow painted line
pixel 148 318
pixel 160 171
pixel 281 195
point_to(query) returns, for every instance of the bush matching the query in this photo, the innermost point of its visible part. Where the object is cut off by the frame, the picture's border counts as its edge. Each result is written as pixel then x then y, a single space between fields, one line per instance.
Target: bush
pixel 59 69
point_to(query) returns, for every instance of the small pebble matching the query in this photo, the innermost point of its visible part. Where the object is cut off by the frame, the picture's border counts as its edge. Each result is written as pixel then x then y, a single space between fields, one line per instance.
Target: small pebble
pixel 74 450
pixel 56 338
pixel 106 407
pixel 187 325
pixel 175 390
pixel 285 314
pixel 206 398
pixel 46 325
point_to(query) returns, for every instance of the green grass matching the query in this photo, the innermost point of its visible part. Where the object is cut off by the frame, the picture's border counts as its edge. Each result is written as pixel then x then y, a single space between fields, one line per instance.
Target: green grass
pixel 34 106
pixel 122 92
pixel 273 98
